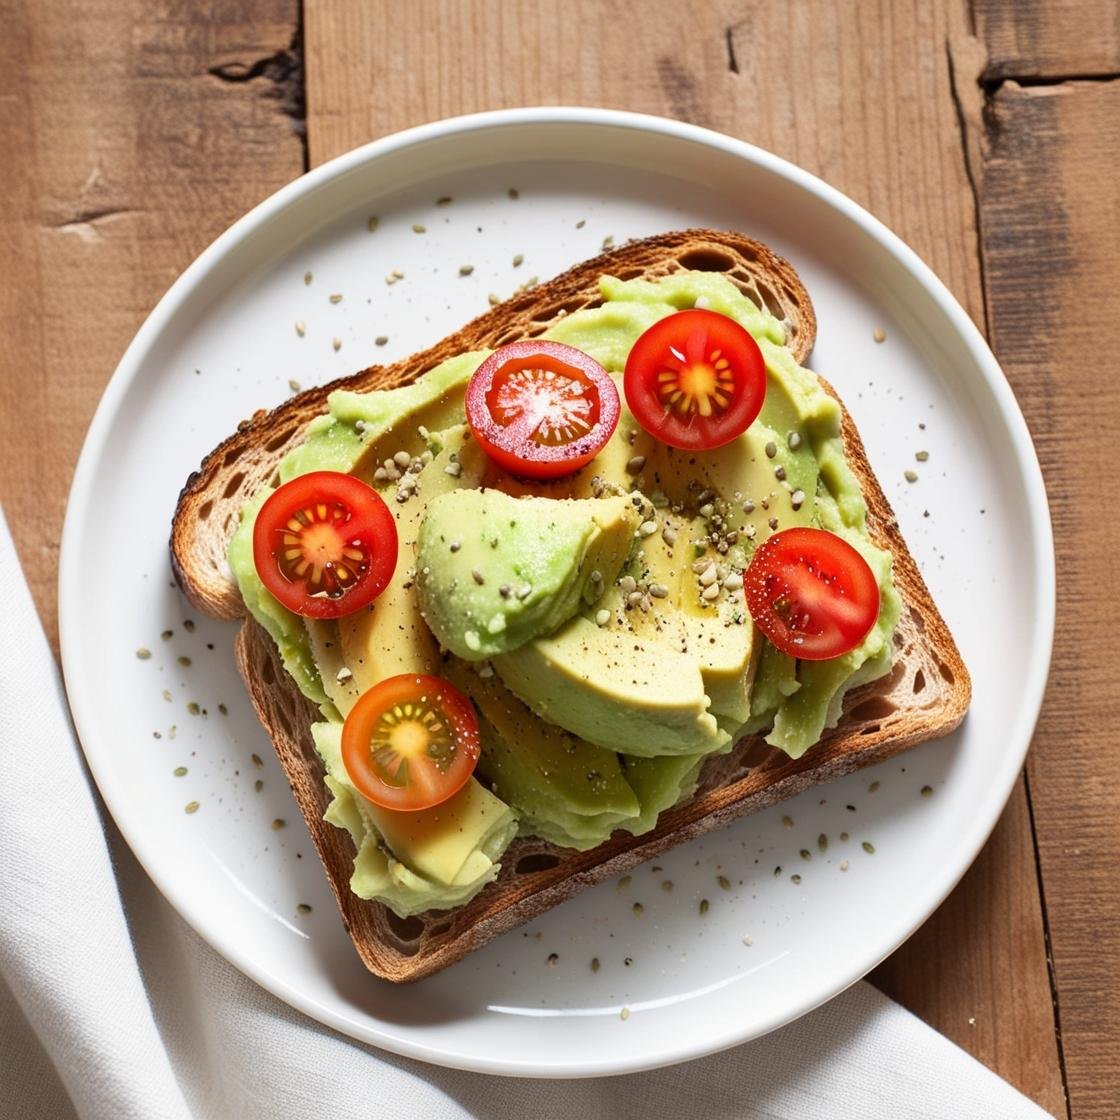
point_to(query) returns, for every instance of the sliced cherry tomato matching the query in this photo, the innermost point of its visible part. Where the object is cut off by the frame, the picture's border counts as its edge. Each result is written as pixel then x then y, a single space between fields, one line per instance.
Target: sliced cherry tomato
pixel 410 742
pixel 811 593
pixel 542 409
pixel 325 544
pixel 695 380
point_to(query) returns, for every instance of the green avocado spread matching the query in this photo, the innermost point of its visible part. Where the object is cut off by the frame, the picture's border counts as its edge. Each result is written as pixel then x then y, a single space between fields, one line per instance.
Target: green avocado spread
pixel 596 621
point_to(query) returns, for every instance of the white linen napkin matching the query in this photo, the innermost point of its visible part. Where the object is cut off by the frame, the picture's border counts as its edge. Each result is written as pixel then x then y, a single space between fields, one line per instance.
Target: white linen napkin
pixel 111 1006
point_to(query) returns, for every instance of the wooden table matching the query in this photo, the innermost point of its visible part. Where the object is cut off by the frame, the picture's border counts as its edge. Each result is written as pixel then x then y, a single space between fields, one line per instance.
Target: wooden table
pixel 987 134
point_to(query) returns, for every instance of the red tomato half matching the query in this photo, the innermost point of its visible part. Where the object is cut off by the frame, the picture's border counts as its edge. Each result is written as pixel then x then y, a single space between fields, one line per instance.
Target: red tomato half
pixel 695 380
pixel 410 742
pixel 811 593
pixel 541 409
pixel 325 544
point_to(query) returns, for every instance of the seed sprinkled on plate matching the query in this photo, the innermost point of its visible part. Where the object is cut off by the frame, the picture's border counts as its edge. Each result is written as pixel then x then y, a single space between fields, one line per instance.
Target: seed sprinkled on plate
pixel 371 225
pixel 608 241
pixel 336 343
pixel 868 847
pixel 301 328
pixel 466 269
pixel 418 228
pixel 705 906
pixel 179 771
pixel 191 807
pixel 294 385
pixel 303 908
pixel 335 297
pixel 308 277
pixel 921 456
pixel 143 653
pixel 380 340
pixel 910 476
pixel 880 335
pixel 446 200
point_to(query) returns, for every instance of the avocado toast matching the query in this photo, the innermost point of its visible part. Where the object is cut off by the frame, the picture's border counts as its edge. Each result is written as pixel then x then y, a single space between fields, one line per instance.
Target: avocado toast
pixel 924 694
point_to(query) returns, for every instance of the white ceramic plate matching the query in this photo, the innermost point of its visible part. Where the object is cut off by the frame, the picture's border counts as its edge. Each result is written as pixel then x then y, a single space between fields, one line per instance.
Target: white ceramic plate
pixel 797 924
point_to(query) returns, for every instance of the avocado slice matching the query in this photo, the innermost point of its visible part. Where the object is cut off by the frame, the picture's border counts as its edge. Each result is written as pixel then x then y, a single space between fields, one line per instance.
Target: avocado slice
pixel 659 783
pixel 563 789
pixel 389 636
pixel 602 685
pixel 362 429
pixel 449 845
pixel 495 571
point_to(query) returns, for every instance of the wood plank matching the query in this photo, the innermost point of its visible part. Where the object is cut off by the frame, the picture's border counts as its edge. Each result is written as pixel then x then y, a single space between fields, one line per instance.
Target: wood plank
pixel 862 97
pixel 126 157
pixel 1049 38
pixel 1050 217
pixel 999 1008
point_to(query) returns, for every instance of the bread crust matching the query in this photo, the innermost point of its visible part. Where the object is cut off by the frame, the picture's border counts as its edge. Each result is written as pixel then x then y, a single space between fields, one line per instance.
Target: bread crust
pixel 925 695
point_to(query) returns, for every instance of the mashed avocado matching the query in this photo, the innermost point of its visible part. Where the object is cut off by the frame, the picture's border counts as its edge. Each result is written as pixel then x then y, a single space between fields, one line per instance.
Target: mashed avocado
pixel 583 621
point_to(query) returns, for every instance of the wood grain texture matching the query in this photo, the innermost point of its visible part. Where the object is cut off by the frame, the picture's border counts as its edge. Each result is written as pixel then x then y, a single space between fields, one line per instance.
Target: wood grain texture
pixel 1051 216
pixel 1049 38
pixel 858 93
pixel 125 157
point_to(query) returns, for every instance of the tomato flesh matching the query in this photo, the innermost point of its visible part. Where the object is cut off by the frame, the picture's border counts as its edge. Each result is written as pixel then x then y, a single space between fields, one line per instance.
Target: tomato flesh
pixel 811 593
pixel 695 380
pixel 410 742
pixel 542 409
pixel 325 544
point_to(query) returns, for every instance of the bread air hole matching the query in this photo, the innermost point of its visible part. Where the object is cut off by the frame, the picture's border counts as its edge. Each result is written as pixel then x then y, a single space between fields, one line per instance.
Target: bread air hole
pixel 204 510
pixel 706 260
pixel 278 441
pixel 919 681
pixel 233 485
pixel 773 304
pixel 946 672
pixel 536 861
pixel 407 930
pixel 756 754
pixel 874 708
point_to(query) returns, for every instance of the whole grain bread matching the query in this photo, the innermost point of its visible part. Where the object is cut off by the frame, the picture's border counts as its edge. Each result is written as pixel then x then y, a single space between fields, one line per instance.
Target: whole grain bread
pixel 924 696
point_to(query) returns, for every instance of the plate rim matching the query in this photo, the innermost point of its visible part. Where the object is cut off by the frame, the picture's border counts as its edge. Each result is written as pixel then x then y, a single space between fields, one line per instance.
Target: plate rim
pixel 1027 468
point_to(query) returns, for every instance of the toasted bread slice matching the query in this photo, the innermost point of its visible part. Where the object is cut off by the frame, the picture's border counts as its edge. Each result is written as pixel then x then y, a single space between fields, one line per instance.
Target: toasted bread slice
pixel 924 696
